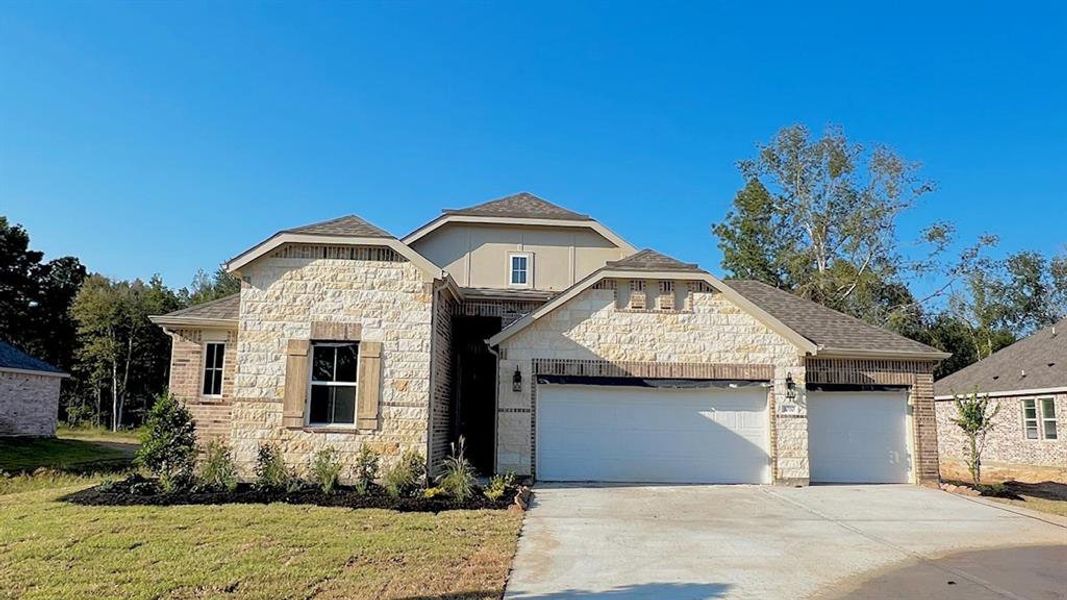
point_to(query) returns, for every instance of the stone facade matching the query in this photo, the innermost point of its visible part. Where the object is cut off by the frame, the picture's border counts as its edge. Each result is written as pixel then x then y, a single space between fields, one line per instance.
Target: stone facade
pixel 29 404
pixel 1007 445
pixel 212 414
pixel 712 331
pixel 282 295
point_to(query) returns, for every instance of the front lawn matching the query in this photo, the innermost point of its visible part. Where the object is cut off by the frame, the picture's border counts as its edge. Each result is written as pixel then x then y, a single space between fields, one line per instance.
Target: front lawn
pixel 73 450
pixel 51 549
pixel 1049 496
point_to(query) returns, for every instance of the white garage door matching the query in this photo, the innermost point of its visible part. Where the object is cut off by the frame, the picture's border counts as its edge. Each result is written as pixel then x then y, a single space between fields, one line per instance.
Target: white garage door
pixel 635 434
pixel 858 437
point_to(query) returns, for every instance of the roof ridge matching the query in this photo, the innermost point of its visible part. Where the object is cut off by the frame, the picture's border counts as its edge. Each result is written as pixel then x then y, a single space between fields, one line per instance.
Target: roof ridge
pixel 509 205
pixel 372 230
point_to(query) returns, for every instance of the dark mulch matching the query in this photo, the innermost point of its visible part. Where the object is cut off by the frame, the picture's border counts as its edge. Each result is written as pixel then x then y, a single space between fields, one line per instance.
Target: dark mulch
pixel 137 490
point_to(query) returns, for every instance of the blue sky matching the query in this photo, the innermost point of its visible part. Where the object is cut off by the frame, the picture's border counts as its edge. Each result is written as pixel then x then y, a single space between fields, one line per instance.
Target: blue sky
pixel 167 137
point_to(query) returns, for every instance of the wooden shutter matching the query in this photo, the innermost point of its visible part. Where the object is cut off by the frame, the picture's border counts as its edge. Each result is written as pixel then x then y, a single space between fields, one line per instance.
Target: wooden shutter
pixel 296 383
pixel 370 383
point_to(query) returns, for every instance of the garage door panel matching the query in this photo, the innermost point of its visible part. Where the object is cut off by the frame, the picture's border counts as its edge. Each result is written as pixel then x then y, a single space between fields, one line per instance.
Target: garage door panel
pixel 858 437
pixel 605 433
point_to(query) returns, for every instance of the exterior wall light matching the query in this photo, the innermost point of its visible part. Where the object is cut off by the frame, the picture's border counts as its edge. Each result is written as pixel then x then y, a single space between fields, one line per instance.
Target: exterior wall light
pixel 516 381
pixel 790 387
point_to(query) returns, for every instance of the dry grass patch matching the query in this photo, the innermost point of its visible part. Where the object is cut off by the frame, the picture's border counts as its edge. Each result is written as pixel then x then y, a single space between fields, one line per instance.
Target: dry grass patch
pixel 51 549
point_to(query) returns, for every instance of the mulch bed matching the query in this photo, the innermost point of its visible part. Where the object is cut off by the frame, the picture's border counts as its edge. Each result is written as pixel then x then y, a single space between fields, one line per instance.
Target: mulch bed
pixel 138 491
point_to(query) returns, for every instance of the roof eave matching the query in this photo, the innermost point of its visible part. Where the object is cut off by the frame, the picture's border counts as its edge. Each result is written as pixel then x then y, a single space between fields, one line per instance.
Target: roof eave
pixel 59 374
pixel 925 355
pixel 202 322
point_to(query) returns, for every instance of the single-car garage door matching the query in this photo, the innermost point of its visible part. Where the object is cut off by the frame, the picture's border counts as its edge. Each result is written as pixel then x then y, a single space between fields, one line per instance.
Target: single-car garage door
pixel 858 437
pixel 661 435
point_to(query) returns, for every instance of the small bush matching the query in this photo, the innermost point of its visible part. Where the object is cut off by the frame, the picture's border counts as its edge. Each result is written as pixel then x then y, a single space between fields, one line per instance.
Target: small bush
pixel 365 468
pixel 326 469
pixel 217 470
pixel 168 444
pixel 406 477
pixel 498 486
pixel 271 472
pixel 433 492
pixel 457 474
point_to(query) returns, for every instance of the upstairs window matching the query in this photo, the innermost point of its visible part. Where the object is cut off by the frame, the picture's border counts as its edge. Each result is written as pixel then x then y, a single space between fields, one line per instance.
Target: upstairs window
pixel 214 357
pixel 332 399
pixel 519 270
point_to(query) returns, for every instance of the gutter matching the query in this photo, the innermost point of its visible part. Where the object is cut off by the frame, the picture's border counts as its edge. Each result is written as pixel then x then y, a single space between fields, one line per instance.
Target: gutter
pixel 58 374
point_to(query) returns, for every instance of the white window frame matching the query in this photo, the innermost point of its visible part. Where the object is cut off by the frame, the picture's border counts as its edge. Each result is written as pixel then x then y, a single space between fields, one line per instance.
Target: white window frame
pixel 311 383
pixel 529 269
pixel 218 371
pixel 1034 422
pixel 1046 419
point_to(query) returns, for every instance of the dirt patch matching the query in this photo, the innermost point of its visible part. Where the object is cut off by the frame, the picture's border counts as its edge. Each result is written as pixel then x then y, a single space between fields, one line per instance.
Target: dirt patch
pixel 993 472
pixel 137 491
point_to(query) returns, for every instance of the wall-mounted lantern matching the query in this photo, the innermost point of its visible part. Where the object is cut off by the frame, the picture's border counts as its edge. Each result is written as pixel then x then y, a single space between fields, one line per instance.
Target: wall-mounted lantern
pixel 790 387
pixel 516 381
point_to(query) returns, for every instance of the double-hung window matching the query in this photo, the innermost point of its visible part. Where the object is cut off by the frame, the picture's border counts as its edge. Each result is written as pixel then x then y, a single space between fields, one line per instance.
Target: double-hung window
pixel 214 356
pixel 1039 419
pixel 519 270
pixel 332 399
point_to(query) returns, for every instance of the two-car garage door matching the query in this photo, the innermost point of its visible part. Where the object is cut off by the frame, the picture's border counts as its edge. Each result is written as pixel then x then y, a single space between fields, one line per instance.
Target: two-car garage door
pixel 660 435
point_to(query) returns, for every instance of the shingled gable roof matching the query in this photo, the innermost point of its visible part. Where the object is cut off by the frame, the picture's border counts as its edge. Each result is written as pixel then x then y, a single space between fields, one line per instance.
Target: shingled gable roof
pixel 350 225
pixel 11 358
pixel 521 205
pixel 227 308
pixel 1037 362
pixel 650 260
pixel 834 332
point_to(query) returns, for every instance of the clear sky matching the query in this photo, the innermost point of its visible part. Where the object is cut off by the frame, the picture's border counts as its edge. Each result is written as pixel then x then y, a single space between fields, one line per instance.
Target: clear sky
pixel 167 137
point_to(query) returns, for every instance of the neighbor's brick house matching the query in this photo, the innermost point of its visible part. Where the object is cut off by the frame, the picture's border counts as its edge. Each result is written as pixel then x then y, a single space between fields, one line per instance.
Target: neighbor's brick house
pixel 29 394
pixel 555 348
pixel 1029 381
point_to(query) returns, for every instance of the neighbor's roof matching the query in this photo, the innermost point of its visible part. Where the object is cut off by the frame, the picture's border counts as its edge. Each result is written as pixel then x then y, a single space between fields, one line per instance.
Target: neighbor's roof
pixel 13 358
pixel 1038 362
pixel 650 260
pixel 831 330
pixel 221 310
pixel 521 205
pixel 347 225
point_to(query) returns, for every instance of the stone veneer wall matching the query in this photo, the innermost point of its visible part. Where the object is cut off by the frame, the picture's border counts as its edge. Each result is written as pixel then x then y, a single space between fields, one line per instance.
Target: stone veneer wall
pixel 1007 443
pixel 29 404
pixel 917 376
pixel 280 298
pixel 713 331
pixel 212 415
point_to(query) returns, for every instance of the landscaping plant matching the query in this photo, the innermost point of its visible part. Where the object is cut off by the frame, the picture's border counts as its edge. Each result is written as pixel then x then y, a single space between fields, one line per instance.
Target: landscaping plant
pixel 217 469
pixel 168 443
pixel 974 416
pixel 457 474
pixel 405 478
pixel 271 472
pixel 326 469
pixel 366 468
pixel 498 485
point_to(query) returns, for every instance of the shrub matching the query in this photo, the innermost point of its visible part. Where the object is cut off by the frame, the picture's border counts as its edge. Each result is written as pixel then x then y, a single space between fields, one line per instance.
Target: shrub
pixel 406 477
pixel 271 472
pixel 217 470
pixel 457 474
pixel 974 416
pixel 366 468
pixel 168 443
pixel 498 486
pixel 433 492
pixel 326 469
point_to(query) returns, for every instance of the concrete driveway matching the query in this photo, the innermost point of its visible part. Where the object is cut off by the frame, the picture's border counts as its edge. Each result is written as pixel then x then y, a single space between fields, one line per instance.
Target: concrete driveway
pixel 672 542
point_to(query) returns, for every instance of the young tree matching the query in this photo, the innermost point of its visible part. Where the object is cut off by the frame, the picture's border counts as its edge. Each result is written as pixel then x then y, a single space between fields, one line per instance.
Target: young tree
pixel 168 443
pixel 974 416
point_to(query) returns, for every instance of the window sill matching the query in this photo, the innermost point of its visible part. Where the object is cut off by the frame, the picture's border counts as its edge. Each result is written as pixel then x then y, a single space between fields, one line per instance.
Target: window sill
pixel 332 429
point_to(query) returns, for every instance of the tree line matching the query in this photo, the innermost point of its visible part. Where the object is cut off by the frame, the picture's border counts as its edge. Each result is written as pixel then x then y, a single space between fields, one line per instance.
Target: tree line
pixel 94 327
pixel 820 216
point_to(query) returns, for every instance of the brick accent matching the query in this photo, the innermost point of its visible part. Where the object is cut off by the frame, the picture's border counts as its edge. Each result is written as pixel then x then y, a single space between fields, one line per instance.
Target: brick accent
pixel 29 404
pixel 442 393
pixel 212 415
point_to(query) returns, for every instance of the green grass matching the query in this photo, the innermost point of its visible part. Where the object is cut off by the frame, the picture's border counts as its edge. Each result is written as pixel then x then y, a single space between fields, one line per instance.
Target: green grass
pixel 51 549
pixel 28 454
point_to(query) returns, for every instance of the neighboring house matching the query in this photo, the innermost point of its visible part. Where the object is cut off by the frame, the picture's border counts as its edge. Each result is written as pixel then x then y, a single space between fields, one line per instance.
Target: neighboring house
pixel 602 362
pixel 1028 379
pixel 29 394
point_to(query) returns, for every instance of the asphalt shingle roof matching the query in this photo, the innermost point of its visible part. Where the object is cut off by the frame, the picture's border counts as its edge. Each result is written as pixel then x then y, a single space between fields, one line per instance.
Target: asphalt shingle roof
pixel 228 307
pixel 351 225
pixel 13 358
pixel 650 260
pixel 521 205
pixel 1032 363
pixel 823 326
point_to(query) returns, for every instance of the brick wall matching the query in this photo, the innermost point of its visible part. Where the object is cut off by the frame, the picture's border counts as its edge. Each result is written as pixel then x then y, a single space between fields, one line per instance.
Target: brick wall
pixel 212 415
pixel 1007 444
pixel 443 393
pixel 29 404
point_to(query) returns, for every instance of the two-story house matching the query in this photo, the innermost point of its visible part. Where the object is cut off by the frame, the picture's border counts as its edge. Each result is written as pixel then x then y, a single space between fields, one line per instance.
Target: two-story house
pixel 555 348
